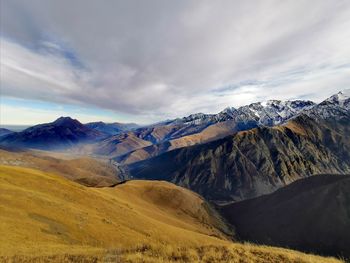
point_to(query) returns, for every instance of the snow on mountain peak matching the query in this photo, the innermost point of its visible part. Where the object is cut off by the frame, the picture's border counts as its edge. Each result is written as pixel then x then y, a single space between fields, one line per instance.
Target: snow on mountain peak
pixel 270 112
pixel 341 99
pixel 344 95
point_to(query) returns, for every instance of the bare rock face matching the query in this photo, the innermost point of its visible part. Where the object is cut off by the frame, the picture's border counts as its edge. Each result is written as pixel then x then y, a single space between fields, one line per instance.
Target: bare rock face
pixel 254 162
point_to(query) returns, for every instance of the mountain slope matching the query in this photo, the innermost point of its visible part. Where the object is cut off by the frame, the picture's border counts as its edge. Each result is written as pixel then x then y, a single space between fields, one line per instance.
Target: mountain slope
pixel 312 214
pixel 211 133
pixel 61 133
pixel 4 131
pixel 137 221
pixel 83 170
pixel 334 108
pixel 254 162
pixel 88 216
pixel 198 128
pixel 231 120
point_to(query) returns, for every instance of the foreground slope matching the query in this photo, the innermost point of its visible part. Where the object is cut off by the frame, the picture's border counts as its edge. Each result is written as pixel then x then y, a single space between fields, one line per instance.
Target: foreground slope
pixel 255 162
pixel 312 214
pixel 47 217
pixel 46 212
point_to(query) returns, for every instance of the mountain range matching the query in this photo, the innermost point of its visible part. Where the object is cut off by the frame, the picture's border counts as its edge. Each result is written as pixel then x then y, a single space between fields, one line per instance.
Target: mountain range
pixel 270 172
pixel 254 162
pixel 153 140
pixel 233 155
pixel 60 134
pixel 122 138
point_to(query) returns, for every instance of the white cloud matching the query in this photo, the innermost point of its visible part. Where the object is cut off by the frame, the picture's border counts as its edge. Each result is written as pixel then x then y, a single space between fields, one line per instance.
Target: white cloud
pixel 162 59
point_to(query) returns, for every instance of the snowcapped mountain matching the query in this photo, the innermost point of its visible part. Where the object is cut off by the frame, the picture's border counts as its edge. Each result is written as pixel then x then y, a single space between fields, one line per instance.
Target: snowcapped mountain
pixel 335 107
pixel 272 112
pixel 341 99
pixel 269 113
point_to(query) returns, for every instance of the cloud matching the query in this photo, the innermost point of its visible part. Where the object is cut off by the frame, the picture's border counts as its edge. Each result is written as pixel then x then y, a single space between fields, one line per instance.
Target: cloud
pixel 163 59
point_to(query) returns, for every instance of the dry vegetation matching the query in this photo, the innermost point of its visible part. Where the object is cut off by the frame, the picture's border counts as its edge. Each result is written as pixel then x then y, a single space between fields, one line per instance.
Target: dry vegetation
pixel 84 170
pixel 47 218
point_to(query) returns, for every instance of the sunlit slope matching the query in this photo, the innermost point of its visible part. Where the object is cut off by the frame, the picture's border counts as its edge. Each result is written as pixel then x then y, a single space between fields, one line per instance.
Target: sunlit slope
pixel 44 211
pixel 84 170
pixel 47 217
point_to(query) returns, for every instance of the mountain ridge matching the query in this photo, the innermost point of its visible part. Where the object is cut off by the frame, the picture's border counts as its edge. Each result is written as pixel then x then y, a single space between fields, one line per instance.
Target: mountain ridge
pixel 59 134
pixel 200 127
pixel 254 162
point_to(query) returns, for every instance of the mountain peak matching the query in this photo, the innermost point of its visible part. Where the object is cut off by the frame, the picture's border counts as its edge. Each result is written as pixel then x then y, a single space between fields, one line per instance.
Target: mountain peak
pixel 66 121
pixel 343 95
pixel 342 99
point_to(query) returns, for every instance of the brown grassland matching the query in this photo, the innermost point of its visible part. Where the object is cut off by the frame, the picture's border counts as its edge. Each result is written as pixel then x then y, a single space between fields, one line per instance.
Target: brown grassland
pixel 47 218
pixel 84 170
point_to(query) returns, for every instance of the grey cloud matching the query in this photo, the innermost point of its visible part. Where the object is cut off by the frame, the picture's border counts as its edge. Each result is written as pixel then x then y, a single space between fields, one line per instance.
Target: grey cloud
pixel 166 58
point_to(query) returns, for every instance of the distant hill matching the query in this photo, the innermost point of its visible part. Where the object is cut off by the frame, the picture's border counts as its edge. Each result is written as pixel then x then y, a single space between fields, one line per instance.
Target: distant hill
pixel 47 218
pixel 15 128
pixel 254 162
pixel 111 128
pixel 312 214
pixel 61 133
pixel 84 170
pixel 4 131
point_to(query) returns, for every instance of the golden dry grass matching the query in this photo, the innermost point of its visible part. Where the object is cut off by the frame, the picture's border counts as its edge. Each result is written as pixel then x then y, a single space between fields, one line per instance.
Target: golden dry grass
pixel 85 170
pixel 47 218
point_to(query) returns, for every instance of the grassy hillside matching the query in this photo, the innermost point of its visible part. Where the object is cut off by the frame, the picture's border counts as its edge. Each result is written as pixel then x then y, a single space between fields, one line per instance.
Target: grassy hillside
pixel 44 217
pixel 84 170
pixel 312 214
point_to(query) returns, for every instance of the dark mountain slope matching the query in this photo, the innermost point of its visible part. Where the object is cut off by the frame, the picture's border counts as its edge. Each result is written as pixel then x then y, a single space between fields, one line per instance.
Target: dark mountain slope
pixel 4 131
pixel 255 162
pixel 62 133
pixel 312 214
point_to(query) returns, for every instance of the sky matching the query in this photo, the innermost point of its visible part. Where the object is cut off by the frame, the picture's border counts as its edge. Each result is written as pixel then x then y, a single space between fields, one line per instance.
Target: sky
pixel 146 61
